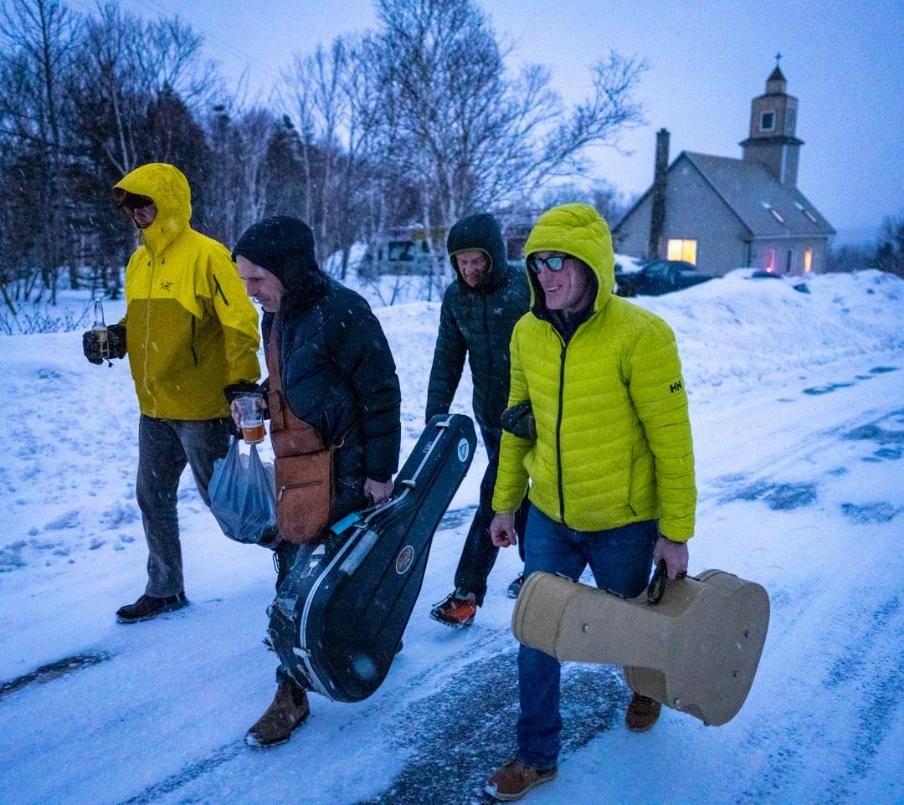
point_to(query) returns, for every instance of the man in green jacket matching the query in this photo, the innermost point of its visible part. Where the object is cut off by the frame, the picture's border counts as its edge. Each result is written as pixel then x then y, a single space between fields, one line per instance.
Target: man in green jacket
pixel 479 311
pixel 191 331
pixel 611 468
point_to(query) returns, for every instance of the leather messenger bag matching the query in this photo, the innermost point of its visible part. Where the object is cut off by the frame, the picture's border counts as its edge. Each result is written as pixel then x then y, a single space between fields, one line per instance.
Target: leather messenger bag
pixel 696 651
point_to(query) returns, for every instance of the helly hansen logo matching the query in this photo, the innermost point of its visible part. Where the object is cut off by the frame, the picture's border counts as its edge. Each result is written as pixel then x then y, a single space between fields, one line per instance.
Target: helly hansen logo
pixel 166 285
pixel 675 387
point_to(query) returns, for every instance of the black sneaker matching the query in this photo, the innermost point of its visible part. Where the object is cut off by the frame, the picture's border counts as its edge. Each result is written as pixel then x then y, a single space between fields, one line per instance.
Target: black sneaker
pixel 148 607
pixel 515 587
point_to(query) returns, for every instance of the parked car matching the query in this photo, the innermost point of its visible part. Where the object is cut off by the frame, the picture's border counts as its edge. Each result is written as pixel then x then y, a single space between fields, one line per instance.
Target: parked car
pixel 658 277
pixel 748 273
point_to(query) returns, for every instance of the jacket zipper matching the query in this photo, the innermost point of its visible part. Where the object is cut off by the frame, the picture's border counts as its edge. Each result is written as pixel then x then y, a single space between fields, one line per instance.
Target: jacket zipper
pixel 286 487
pixel 194 354
pixel 486 335
pixel 219 290
pixel 152 264
pixel 559 432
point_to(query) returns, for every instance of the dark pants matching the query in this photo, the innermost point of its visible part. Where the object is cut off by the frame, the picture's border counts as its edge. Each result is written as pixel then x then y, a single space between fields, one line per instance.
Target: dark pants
pixel 621 560
pixel 479 554
pixel 165 446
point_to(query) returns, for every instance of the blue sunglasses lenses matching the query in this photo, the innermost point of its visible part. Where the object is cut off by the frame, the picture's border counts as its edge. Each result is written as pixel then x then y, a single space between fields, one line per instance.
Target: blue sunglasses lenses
pixel 551 263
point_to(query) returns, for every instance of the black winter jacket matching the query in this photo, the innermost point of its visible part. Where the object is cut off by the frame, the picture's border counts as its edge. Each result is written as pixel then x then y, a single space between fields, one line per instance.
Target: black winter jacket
pixel 479 322
pixel 339 377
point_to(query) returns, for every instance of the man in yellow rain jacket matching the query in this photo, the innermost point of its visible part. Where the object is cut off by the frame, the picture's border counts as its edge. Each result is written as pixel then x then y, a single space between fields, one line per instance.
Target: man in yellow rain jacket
pixel 189 331
pixel 610 459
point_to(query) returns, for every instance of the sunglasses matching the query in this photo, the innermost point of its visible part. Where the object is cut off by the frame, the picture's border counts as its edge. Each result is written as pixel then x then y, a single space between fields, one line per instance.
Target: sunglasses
pixel 131 201
pixel 554 263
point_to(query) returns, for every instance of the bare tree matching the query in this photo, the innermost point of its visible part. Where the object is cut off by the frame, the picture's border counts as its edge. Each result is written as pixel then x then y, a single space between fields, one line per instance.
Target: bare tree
pixel 465 132
pixel 889 254
pixel 38 38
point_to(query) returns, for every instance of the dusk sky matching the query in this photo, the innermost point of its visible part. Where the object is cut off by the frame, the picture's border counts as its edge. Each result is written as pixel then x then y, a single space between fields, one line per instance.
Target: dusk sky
pixel 707 60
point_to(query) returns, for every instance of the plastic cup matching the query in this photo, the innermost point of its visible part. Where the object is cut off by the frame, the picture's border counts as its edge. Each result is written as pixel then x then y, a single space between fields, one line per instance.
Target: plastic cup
pixel 251 417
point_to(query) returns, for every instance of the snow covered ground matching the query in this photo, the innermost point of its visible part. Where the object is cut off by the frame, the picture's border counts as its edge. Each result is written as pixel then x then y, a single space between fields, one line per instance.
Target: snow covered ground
pixel 798 415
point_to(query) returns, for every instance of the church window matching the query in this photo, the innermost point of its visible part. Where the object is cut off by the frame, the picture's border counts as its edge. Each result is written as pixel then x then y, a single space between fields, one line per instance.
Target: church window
pixel 686 250
pixel 767 121
pixel 769 261
pixel 808 260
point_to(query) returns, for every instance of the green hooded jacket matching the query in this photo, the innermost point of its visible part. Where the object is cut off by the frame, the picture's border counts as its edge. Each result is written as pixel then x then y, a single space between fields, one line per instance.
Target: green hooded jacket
pixel 613 440
pixel 190 327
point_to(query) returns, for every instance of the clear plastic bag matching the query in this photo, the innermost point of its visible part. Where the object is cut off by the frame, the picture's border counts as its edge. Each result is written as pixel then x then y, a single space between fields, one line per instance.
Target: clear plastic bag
pixel 243 495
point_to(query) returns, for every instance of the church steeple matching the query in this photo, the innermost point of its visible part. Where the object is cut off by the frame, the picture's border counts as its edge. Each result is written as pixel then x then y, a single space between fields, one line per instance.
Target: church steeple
pixel 773 121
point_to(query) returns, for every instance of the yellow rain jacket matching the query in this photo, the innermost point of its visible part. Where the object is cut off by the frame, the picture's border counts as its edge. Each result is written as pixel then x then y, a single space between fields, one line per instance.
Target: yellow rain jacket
pixel 190 327
pixel 613 436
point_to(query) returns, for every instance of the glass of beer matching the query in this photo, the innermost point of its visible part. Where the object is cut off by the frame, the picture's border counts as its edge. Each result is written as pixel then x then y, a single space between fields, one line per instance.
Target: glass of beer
pixel 251 417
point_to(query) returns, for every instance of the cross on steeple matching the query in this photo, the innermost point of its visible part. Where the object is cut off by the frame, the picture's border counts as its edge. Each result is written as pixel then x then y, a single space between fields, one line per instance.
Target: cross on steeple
pixel 778 58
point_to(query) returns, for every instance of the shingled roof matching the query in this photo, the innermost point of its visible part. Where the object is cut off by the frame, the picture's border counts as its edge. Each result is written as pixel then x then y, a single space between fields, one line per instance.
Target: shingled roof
pixel 766 206
pixel 763 204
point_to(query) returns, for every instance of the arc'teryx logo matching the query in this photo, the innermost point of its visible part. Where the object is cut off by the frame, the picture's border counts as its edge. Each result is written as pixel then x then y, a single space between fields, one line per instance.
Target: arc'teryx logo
pixel 166 285
pixel 675 387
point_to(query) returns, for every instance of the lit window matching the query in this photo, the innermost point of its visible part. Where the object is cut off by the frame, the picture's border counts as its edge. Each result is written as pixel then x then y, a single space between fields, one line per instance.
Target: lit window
pixel 683 250
pixel 769 263
pixel 808 260
pixel 767 121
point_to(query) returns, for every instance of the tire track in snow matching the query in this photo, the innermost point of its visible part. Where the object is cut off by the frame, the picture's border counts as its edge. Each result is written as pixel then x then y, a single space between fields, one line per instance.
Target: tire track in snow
pixel 467 729
pixel 52 671
pixel 863 684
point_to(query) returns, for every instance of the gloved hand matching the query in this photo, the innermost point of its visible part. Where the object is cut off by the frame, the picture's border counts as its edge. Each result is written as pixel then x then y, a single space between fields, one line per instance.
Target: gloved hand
pixel 116 344
pixel 519 421
pixel 234 390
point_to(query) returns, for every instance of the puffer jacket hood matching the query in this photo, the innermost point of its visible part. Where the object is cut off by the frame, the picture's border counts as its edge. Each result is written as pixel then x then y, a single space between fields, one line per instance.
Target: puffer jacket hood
pixel 284 246
pixel 169 189
pixel 481 232
pixel 579 230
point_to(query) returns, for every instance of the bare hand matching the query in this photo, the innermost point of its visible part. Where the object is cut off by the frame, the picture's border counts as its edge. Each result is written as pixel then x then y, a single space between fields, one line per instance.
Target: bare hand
pixel 502 530
pixel 675 556
pixel 234 410
pixel 377 491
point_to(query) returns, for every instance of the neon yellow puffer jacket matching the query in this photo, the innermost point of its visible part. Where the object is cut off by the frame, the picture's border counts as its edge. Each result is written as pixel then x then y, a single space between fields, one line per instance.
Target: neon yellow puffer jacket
pixel 190 327
pixel 613 436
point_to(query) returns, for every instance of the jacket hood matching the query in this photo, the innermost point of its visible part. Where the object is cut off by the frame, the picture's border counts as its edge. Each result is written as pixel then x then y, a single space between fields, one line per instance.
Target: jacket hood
pixel 284 246
pixel 479 232
pixel 169 189
pixel 579 230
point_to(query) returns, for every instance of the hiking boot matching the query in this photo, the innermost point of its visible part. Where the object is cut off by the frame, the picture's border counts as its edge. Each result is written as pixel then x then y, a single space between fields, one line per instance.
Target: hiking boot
pixel 515 587
pixel 456 610
pixel 642 713
pixel 148 607
pixel 288 710
pixel 515 779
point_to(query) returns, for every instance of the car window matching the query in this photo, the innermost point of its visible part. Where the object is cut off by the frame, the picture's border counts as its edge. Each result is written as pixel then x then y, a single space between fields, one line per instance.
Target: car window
pixel 656 270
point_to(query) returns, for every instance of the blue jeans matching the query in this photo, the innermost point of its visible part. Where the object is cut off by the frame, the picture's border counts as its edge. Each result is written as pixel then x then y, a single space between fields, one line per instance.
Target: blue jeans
pixel 621 560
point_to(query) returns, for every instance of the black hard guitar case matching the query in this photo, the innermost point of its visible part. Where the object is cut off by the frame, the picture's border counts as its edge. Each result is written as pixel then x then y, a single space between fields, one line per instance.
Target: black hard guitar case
pixel 339 614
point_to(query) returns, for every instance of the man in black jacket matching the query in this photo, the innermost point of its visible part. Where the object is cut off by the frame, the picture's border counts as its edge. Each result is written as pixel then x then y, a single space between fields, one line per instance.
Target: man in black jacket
pixel 478 314
pixel 338 376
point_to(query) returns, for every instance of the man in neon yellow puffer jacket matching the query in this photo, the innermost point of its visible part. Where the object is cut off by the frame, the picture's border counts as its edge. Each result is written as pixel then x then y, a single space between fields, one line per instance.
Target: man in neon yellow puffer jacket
pixel 611 467
pixel 189 332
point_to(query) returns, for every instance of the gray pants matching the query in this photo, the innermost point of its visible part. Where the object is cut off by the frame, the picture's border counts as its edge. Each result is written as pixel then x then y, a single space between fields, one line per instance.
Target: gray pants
pixel 165 446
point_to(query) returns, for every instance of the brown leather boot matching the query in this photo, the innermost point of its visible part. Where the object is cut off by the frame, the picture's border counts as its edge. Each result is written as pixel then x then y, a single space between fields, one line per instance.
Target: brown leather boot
pixel 513 780
pixel 288 710
pixel 642 713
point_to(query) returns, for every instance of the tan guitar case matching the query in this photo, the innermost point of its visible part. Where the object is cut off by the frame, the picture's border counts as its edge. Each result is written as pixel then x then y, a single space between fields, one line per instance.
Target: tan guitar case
pixel 696 651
